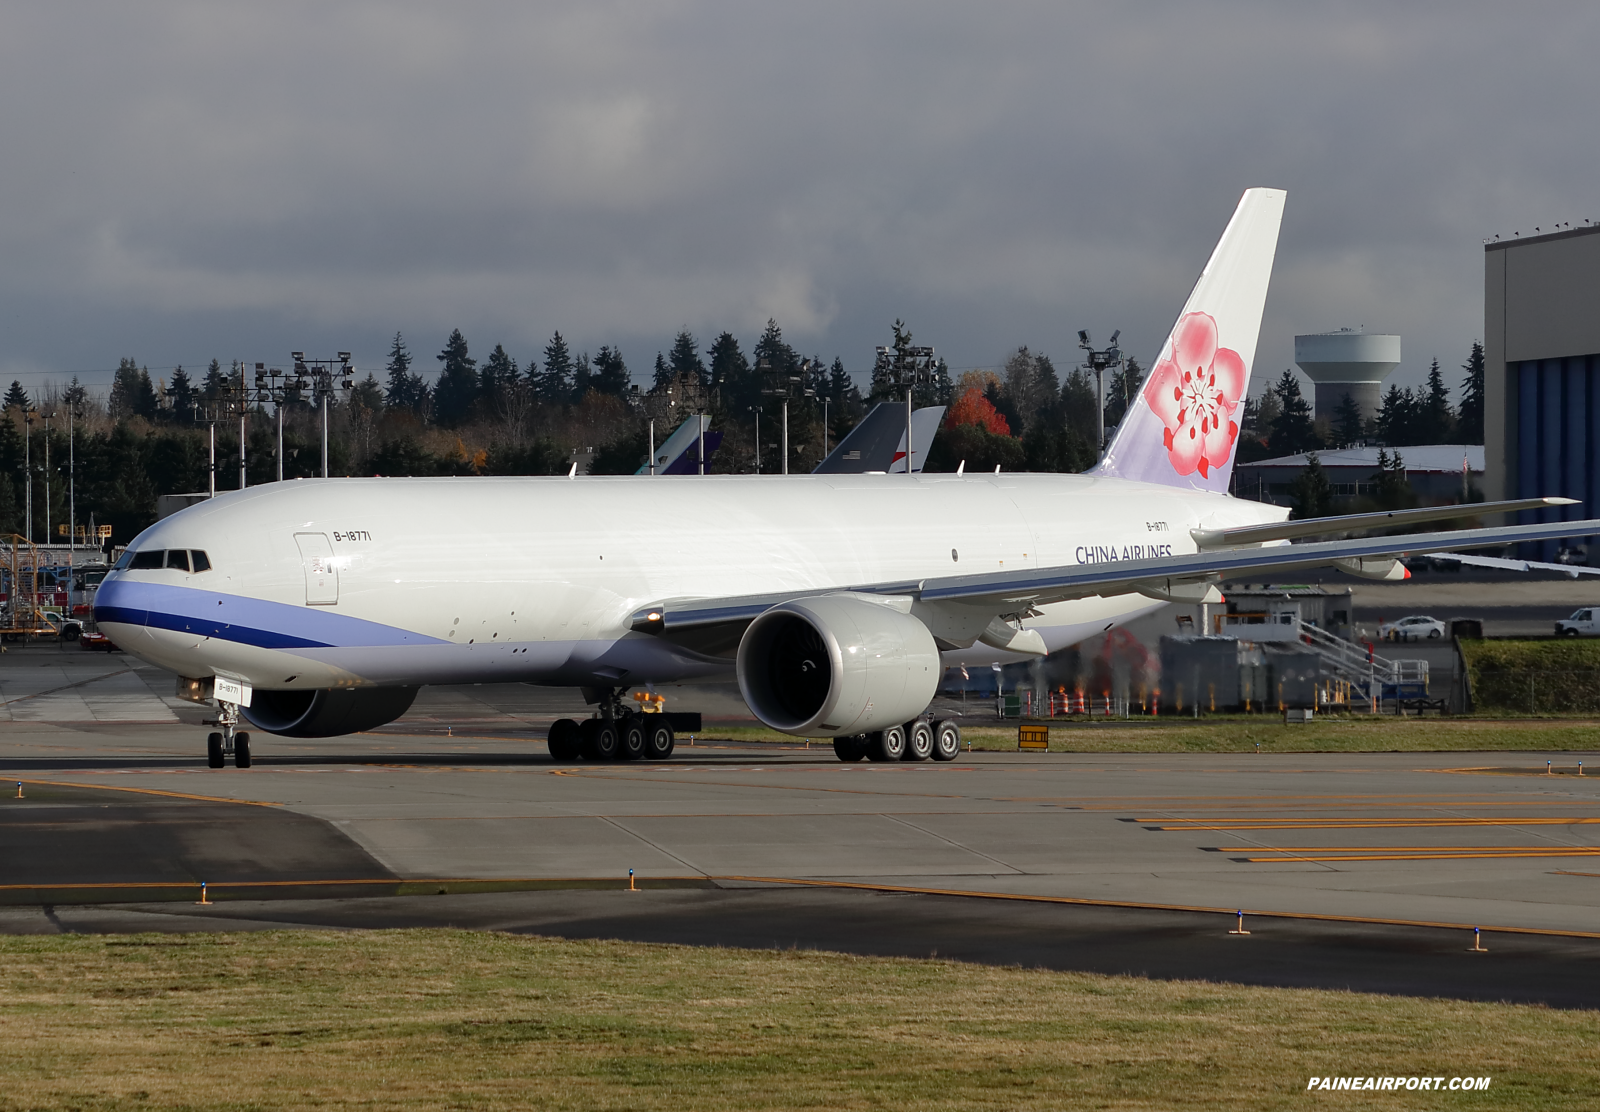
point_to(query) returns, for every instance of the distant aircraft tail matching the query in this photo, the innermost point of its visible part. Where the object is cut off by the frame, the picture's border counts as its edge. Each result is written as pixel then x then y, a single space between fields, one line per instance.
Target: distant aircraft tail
pixel 878 442
pixel 1184 426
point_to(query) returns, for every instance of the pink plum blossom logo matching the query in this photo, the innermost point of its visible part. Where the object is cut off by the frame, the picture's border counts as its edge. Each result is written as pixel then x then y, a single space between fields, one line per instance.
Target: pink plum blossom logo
pixel 1195 389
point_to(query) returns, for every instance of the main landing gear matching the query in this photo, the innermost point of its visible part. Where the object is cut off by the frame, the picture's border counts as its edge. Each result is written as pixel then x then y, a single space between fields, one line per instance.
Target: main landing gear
pixel 917 740
pixel 614 734
pixel 229 742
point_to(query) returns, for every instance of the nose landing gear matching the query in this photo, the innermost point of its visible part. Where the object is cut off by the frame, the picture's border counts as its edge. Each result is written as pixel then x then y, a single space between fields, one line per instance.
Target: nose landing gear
pixel 228 742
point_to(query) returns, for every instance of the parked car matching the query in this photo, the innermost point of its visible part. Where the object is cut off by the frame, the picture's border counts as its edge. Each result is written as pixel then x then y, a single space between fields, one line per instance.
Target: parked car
pixel 1583 623
pixel 1418 627
pixel 91 639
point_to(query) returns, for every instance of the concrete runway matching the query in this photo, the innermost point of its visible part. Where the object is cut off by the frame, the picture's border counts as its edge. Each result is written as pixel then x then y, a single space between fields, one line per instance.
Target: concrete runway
pixel 1363 871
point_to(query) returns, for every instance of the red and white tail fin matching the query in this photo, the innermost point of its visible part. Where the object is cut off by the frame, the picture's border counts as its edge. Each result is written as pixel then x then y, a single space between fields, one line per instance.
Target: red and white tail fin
pixel 1183 427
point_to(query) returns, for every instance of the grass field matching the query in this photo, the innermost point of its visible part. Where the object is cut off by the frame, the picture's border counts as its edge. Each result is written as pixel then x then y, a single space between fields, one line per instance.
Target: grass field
pixel 1241 733
pixel 451 1019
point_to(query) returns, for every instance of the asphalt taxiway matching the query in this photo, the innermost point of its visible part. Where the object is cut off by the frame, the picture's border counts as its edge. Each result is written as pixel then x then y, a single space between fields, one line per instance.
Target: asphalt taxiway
pixel 1353 870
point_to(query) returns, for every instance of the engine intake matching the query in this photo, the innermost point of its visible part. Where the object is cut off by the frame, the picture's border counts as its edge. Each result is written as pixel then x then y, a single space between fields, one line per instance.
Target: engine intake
pixel 836 665
pixel 328 712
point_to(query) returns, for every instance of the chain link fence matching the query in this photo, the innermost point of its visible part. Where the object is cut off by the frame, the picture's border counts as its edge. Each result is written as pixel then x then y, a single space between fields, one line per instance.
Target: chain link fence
pixel 1542 691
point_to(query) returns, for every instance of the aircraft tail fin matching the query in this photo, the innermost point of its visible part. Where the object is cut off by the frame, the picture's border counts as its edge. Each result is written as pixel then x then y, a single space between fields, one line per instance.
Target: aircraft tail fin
pixel 1183 428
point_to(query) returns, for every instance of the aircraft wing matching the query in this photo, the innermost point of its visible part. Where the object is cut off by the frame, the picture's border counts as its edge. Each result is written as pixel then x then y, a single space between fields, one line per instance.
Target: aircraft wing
pixel 1190 577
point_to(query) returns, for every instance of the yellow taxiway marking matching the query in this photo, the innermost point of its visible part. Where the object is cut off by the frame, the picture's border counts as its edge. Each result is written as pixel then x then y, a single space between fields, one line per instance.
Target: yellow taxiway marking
pixel 1445 854
pixel 1084 902
pixel 151 791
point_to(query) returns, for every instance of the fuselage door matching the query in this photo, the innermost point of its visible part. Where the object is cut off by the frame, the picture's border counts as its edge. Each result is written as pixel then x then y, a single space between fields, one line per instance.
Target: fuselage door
pixel 322 578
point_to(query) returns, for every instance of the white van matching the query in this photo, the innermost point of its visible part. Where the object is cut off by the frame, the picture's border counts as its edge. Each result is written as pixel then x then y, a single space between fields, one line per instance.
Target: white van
pixel 1583 623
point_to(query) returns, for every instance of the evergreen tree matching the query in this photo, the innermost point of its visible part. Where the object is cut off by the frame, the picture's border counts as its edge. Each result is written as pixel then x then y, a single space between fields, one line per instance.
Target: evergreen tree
pixel 216 385
pixel 132 395
pixel 1348 424
pixel 735 381
pixel 684 358
pixel 839 383
pixel 367 395
pixel 181 396
pixel 582 378
pixel 497 381
pixel 554 385
pixel 663 373
pixel 1078 404
pixel 778 355
pixel 1121 390
pixel 404 390
pixel 16 398
pixel 1469 423
pixel 457 386
pixel 75 395
pixel 1396 420
pixel 610 372
pixel 1294 431
pixel 1391 488
pixel 1434 420
pixel 1311 491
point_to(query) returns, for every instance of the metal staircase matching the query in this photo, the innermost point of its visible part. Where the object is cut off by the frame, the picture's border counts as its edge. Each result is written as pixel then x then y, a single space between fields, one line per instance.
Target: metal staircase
pixel 1375 677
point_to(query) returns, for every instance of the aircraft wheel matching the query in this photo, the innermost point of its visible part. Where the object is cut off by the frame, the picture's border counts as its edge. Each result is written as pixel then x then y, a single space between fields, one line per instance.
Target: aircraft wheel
pixel 563 740
pixel 658 737
pixel 919 741
pixel 849 748
pixel 241 750
pixel 634 739
pixel 946 740
pixel 214 750
pixel 600 742
pixel 887 745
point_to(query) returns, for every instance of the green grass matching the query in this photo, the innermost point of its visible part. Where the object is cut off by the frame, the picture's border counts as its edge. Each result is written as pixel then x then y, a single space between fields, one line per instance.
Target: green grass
pixel 452 1019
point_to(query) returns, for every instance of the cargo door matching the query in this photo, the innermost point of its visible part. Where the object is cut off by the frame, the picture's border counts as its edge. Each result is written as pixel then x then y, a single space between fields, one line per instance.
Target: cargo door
pixel 322 578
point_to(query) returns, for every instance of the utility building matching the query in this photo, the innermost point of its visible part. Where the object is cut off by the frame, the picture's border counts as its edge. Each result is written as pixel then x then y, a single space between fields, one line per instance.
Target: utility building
pixel 1541 346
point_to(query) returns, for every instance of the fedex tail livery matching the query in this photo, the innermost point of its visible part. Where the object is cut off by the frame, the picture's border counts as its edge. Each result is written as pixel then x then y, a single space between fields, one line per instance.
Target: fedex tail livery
pixel 318 607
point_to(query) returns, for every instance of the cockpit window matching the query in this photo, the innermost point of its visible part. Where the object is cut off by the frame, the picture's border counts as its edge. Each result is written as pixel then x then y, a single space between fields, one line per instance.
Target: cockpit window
pixel 147 560
pixel 122 561
pixel 200 560
pixel 178 558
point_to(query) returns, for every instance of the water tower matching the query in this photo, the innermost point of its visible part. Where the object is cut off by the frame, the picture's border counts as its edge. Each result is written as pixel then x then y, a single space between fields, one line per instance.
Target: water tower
pixel 1347 362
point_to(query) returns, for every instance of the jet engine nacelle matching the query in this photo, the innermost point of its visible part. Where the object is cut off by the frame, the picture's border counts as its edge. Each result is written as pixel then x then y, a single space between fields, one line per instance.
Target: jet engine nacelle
pixel 836 665
pixel 326 712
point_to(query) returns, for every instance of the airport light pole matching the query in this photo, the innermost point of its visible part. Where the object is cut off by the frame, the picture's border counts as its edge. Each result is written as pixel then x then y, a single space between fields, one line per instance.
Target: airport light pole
pixel 1098 361
pixel 27 471
pixel 47 417
pixel 779 383
pixel 277 387
pixel 323 373
pixel 756 409
pixel 907 367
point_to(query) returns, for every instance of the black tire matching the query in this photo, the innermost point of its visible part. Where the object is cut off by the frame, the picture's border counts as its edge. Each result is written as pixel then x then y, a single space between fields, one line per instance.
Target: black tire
pixel 633 738
pixel 1569 633
pixel 919 741
pixel 851 748
pixel 887 745
pixel 600 741
pixel 214 751
pixel 659 738
pixel 946 740
pixel 563 741
pixel 241 750
pixel 1434 635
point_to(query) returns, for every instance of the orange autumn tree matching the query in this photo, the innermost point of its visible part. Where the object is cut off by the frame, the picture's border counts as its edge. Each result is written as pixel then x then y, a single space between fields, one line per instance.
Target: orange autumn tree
pixel 972 408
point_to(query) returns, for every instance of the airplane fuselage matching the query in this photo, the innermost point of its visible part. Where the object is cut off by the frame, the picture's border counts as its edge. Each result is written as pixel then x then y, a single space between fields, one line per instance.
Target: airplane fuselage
pixel 392 582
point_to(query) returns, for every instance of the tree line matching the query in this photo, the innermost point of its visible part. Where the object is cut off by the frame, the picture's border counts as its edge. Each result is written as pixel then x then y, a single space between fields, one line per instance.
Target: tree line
pixel 147 436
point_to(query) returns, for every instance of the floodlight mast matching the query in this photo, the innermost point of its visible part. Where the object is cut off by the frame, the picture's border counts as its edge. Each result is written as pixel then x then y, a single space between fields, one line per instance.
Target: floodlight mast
pixel 1098 361
pixel 322 373
pixel 907 367
pixel 780 383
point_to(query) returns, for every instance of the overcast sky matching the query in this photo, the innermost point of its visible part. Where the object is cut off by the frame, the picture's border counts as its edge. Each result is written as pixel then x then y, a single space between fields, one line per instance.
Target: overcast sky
pixel 186 181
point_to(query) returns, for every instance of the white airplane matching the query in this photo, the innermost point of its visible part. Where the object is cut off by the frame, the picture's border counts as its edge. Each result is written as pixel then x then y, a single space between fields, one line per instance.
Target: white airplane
pixel 315 608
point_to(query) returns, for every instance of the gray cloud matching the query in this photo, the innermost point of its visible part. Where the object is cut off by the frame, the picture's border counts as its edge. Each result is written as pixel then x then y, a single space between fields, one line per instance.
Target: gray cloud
pixel 183 181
